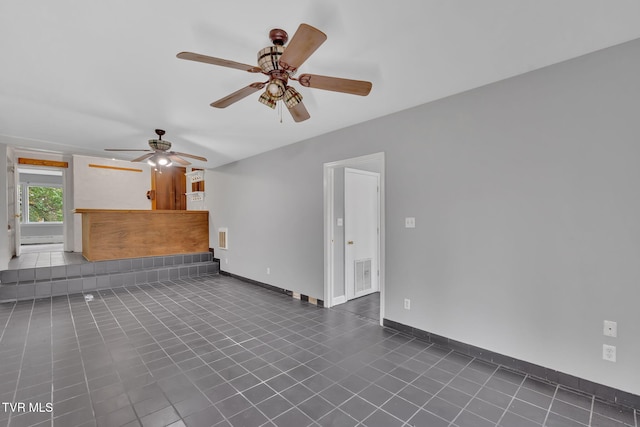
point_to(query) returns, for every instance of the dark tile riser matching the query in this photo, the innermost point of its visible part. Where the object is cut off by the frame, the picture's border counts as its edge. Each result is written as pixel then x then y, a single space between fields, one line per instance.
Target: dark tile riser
pixel 104 275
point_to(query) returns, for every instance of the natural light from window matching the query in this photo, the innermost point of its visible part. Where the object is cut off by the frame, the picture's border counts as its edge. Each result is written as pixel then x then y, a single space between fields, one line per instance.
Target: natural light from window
pixel 40 202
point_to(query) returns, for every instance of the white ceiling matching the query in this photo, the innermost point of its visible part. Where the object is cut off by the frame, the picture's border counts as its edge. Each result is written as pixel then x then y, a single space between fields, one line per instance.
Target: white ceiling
pixel 80 76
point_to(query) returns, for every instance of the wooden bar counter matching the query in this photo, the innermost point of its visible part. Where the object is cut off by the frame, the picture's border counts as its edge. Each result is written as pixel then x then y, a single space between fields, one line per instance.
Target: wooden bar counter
pixel 109 234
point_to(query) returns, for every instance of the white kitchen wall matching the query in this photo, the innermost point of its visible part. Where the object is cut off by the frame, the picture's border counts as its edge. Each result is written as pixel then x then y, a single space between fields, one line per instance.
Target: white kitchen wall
pixel 98 188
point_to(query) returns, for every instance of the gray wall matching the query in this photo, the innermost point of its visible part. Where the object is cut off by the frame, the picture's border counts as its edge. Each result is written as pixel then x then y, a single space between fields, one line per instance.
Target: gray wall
pixel 525 194
pixel 36 233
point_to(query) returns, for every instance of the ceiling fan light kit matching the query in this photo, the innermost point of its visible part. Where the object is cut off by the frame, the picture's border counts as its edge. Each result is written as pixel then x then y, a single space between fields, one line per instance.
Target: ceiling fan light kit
pixel 280 63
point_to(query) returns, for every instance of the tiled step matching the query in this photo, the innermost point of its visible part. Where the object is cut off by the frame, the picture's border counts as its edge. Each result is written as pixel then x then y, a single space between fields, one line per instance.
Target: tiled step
pixel 30 283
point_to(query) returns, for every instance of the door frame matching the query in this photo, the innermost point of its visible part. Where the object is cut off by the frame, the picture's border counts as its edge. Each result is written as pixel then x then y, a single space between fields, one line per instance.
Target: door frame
pixel 66 197
pixel 375 272
pixel 329 223
pixel 17 212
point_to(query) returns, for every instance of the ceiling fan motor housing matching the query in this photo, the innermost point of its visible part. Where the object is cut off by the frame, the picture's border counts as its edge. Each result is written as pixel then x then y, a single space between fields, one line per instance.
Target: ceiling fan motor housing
pixel 269 57
pixel 159 144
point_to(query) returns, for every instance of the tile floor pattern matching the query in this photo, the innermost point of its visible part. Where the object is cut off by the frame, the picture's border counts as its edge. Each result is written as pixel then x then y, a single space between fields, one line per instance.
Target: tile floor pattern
pixel 367 306
pixel 48 255
pixel 215 351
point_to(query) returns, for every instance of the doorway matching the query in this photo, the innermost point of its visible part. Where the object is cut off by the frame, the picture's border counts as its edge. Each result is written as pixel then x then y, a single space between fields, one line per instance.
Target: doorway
pixel 334 227
pixel 39 207
pixel 169 186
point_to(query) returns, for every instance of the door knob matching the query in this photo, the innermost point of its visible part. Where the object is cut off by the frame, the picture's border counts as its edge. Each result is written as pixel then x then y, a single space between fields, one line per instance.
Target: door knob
pixel 350 242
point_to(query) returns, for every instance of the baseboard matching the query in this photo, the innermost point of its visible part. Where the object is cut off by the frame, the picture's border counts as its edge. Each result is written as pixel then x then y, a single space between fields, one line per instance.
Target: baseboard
pixel 41 240
pixel 306 298
pixel 600 391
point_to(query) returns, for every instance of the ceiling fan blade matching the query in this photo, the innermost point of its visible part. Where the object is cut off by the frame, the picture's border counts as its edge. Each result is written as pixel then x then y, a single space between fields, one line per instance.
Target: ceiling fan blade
pixel 237 95
pixel 304 42
pixel 299 112
pixel 178 159
pixel 122 149
pixel 143 157
pixel 218 61
pixel 354 87
pixel 203 159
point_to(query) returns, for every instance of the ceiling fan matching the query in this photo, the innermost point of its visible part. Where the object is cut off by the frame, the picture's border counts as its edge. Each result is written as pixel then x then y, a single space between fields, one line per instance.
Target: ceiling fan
pixel 159 154
pixel 280 63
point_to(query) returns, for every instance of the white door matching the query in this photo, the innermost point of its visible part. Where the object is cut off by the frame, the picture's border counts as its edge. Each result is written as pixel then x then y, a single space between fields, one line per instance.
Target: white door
pixel 361 231
pixel 16 211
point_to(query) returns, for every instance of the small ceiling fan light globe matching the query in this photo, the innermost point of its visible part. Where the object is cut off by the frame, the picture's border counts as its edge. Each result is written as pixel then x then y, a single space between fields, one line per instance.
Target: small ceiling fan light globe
pixel 163 161
pixel 151 163
pixel 276 89
pixel 273 89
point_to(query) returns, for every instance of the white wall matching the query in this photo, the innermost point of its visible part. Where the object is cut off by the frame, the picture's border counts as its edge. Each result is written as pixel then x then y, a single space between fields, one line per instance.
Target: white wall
pixel 98 188
pixel 525 194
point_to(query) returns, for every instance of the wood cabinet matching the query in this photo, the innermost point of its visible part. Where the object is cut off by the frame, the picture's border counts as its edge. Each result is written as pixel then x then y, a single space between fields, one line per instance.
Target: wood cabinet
pixel 116 234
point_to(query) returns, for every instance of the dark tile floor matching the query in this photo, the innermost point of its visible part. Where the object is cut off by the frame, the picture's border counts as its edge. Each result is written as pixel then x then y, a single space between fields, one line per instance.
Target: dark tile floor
pixel 215 351
pixel 367 306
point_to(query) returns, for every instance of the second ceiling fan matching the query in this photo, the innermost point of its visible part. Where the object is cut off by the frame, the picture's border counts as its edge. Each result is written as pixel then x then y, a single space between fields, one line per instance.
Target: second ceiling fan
pixel 280 63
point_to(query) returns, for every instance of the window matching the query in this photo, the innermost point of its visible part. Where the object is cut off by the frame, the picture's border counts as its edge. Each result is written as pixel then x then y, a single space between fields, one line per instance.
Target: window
pixel 40 203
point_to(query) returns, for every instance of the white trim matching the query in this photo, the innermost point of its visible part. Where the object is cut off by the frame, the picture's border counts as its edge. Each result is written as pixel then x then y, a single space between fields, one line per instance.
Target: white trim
pixel 329 220
pixel 27 240
pixel 340 300
pixel 328 178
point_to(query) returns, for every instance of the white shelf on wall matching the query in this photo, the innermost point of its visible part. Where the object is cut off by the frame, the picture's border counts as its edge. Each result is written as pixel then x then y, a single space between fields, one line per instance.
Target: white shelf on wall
pixel 195 196
pixel 195 176
pixel 195 199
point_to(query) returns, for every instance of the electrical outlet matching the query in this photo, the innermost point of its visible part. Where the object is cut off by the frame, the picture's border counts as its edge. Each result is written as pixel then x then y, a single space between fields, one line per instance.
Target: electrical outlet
pixel 268 270
pixel 407 304
pixel 410 222
pixel 610 328
pixel 226 260
pixel 609 352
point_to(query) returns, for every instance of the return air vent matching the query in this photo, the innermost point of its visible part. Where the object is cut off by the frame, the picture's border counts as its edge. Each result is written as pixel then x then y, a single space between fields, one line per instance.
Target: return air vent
pixel 362 269
pixel 223 240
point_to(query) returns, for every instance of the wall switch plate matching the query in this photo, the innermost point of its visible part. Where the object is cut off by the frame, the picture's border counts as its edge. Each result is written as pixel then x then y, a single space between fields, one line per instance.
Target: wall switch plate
pixel 407 304
pixel 268 270
pixel 609 352
pixel 610 328
pixel 339 222
pixel 410 222
pixel 226 260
